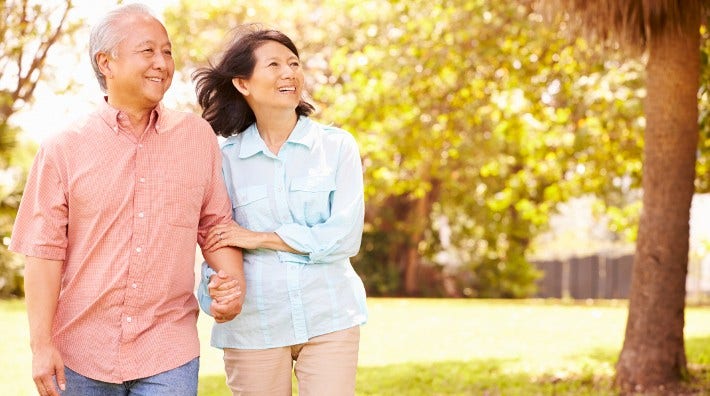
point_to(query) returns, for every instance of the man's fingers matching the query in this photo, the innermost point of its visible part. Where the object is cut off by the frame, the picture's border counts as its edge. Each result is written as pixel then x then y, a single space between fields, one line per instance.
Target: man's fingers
pixel 225 289
pixel 231 292
pixel 219 279
pixel 227 285
pixel 41 389
pixel 61 379
pixel 228 298
pixel 45 386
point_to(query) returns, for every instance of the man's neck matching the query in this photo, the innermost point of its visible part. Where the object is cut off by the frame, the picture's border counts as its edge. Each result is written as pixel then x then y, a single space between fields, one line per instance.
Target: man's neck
pixel 139 117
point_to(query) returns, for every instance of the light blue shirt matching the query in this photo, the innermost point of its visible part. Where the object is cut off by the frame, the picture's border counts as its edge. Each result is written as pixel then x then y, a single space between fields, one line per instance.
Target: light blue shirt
pixel 311 195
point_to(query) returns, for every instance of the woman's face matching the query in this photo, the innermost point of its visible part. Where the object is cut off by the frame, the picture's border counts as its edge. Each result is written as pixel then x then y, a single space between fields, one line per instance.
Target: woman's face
pixel 277 80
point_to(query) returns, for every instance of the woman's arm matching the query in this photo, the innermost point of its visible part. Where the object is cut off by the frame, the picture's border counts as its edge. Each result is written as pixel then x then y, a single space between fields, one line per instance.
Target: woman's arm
pixel 235 235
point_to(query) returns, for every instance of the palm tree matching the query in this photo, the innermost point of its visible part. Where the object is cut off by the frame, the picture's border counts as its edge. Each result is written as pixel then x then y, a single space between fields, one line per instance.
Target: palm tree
pixel 668 31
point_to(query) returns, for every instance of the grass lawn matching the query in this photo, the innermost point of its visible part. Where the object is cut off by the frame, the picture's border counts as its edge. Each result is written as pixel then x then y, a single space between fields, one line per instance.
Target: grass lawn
pixel 448 347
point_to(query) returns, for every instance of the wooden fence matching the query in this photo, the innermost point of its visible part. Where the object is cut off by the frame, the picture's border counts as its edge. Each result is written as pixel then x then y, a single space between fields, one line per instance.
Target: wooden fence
pixel 598 277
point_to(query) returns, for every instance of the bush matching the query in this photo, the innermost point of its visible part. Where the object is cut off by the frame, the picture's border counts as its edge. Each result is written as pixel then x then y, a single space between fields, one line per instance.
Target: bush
pixel 11 279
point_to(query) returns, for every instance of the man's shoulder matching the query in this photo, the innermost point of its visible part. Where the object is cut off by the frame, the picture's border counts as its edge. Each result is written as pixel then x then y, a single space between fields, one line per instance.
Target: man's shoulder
pixel 72 131
pixel 177 119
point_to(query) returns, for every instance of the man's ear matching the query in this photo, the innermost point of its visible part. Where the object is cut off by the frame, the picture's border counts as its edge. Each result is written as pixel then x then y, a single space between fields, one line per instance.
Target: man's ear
pixel 102 60
pixel 241 85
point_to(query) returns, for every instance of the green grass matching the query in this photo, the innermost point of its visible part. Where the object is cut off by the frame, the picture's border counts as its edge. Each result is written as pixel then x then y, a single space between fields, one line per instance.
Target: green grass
pixel 448 347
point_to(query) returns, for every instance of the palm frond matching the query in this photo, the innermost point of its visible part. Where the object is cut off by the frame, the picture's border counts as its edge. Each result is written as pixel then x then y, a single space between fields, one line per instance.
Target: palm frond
pixel 630 23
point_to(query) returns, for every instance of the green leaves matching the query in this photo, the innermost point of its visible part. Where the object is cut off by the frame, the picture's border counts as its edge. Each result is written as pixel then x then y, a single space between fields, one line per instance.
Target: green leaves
pixel 477 112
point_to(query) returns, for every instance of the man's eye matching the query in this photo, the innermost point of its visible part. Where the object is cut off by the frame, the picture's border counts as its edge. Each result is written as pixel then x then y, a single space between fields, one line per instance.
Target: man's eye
pixel 168 52
pixel 148 51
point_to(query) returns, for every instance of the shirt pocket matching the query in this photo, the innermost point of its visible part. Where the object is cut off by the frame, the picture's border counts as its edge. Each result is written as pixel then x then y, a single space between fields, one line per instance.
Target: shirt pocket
pixel 251 207
pixel 310 198
pixel 183 204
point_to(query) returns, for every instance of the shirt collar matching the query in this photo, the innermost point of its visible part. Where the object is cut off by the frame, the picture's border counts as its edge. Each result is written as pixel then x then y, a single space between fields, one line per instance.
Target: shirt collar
pixel 116 118
pixel 303 133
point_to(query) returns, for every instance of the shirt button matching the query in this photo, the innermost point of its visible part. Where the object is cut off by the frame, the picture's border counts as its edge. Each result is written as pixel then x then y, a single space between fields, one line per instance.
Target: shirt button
pixel 138 249
pixel 142 180
pixel 134 286
pixel 140 145
pixel 129 319
pixel 141 215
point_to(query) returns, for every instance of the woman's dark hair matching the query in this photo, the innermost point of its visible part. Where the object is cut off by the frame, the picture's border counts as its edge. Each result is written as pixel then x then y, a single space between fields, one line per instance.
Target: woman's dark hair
pixel 222 105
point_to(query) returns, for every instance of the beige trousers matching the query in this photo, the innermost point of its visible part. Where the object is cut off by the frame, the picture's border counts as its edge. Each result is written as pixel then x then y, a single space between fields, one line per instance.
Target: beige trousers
pixel 325 365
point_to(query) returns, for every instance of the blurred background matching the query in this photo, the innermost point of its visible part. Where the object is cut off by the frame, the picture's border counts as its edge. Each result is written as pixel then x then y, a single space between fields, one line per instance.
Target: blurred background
pixel 502 154
pixel 502 150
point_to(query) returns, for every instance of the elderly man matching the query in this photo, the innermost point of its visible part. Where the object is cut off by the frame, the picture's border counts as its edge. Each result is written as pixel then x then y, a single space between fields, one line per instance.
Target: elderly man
pixel 112 211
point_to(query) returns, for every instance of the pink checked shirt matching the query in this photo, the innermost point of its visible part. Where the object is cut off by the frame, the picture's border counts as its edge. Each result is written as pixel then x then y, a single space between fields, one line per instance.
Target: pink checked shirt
pixel 124 213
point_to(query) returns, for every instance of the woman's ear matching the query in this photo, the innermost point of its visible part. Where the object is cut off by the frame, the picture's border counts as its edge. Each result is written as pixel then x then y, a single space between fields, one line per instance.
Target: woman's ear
pixel 102 60
pixel 241 85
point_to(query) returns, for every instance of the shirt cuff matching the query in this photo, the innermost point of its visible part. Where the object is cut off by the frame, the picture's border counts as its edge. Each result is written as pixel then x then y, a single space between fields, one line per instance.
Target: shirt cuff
pixel 207 272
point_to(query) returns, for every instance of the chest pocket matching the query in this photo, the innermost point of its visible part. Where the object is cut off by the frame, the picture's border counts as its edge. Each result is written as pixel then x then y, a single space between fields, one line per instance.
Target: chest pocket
pixel 310 198
pixel 183 204
pixel 251 207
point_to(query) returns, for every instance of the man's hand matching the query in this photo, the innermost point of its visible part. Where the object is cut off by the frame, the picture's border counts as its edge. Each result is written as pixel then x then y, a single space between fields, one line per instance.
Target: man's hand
pixel 47 363
pixel 227 297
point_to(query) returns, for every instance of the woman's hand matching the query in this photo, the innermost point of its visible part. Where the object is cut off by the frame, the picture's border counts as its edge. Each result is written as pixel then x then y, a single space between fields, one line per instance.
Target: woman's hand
pixel 232 234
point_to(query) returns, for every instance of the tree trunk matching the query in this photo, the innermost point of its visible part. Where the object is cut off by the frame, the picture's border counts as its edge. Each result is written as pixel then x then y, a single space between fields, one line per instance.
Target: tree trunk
pixel 653 353
pixel 418 222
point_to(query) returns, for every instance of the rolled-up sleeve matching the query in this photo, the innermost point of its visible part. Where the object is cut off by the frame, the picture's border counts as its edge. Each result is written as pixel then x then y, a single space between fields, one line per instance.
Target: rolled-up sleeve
pixel 40 228
pixel 203 295
pixel 339 236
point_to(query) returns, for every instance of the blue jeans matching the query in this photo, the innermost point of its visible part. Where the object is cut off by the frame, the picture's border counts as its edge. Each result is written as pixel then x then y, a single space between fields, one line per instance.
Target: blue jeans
pixel 181 381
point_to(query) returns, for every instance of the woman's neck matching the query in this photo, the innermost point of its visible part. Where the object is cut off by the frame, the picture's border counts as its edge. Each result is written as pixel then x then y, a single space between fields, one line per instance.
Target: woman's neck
pixel 275 130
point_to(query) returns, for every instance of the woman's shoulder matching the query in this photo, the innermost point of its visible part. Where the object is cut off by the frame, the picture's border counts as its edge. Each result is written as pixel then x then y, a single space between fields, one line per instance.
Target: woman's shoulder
pixel 233 142
pixel 332 132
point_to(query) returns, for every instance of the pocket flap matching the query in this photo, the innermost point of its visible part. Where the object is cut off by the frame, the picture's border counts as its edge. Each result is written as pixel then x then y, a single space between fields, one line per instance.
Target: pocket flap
pixel 313 183
pixel 247 195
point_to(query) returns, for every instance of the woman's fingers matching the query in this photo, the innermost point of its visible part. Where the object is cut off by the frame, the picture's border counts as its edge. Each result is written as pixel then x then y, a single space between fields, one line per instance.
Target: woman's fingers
pixel 217 238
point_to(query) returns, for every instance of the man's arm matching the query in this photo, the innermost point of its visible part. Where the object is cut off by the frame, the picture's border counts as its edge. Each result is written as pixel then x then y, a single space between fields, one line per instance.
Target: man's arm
pixel 227 300
pixel 42 284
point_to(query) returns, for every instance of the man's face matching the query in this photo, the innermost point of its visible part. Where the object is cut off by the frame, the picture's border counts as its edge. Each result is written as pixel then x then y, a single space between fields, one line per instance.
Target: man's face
pixel 142 70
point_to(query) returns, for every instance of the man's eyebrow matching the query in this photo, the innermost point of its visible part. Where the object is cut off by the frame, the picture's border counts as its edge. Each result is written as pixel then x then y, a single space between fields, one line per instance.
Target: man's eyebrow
pixel 151 42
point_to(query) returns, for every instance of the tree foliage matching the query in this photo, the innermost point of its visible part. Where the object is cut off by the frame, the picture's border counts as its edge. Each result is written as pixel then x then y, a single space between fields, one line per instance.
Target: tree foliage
pixel 28 31
pixel 474 118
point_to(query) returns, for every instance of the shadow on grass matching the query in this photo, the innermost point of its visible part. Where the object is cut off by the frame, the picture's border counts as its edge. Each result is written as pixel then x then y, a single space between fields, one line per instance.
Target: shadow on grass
pixel 494 377
pixel 477 377
pixel 480 377
pixel 697 351
pixel 213 385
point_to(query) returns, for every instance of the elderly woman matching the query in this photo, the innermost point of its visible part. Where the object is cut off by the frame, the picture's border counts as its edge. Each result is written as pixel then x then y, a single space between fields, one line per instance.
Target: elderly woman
pixel 297 197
